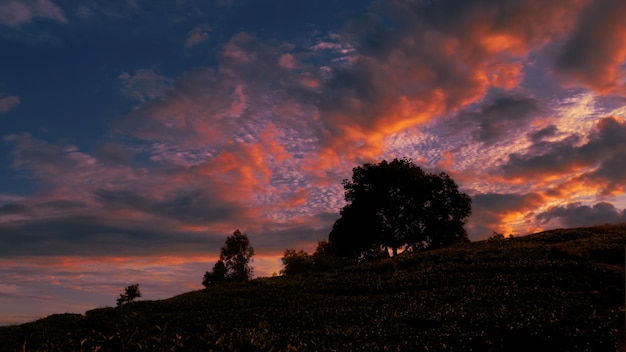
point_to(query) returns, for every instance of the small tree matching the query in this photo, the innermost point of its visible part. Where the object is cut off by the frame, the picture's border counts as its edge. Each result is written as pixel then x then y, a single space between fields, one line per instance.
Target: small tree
pixel 236 254
pixel 215 276
pixel 296 262
pixel 234 262
pixel 130 293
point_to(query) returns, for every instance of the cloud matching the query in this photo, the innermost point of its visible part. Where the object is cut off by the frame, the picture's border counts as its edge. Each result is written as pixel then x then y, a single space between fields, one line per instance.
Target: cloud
pixel 144 85
pixel 575 214
pixel 595 52
pixel 111 153
pixel 543 133
pixel 196 207
pixel 15 13
pixel 415 62
pixel 571 154
pixel 502 118
pixel 197 35
pixel 8 102
pixel 113 9
pixel 95 205
pixel 13 208
pixel 494 212
pixel 262 139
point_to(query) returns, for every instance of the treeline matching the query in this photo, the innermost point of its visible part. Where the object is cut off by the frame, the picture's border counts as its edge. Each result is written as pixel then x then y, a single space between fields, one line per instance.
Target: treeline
pixel 392 208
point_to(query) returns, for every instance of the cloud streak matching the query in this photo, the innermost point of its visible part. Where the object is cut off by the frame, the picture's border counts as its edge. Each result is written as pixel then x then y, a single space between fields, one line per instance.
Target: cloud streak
pixel 16 13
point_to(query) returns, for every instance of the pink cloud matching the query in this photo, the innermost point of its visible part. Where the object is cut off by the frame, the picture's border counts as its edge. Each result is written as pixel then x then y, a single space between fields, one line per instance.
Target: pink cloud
pixel 197 35
pixel 16 13
pixel 8 102
pixel 437 60
pixel 287 61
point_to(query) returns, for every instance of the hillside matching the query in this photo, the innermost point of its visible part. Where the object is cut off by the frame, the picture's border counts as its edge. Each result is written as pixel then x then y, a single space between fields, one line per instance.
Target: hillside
pixel 560 290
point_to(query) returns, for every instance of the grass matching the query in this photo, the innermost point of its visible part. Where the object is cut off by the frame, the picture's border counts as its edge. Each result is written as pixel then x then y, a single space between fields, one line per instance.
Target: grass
pixel 559 290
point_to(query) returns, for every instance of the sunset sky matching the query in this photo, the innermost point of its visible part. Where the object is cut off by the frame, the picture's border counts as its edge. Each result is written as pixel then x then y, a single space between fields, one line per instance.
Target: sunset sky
pixel 135 135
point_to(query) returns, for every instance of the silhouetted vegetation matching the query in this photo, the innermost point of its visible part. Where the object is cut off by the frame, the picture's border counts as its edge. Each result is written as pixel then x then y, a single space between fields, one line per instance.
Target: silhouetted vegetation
pixel 234 262
pixel 560 290
pixel 296 262
pixel 130 293
pixel 397 206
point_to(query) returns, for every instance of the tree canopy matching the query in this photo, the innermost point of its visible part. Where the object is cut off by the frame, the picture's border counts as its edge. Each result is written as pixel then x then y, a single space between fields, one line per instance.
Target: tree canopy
pixel 396 206
pixel 234 262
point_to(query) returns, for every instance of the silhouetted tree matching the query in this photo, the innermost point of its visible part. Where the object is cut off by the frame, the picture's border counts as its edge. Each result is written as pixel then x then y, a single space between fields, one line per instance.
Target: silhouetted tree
pixel 130 293
pixel 296 262
pixel 236 254
pixel 234 261
pixel 215 276
pixel 397 206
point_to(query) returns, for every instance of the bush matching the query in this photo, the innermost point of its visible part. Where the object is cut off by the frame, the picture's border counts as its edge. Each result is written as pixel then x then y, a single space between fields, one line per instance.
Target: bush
pixel 130 293
pixel 296 262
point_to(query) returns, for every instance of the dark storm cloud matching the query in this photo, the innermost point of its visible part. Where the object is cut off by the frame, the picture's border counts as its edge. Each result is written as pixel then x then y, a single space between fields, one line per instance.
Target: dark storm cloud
pixel 575 214
pixel 545 132
pixel 13 208
pixel 605 147
pixel 191 207
pixel 611 173
pixel 503 201
pixel 95 235
pixel 276 240
pixel 594 53
pixel 114 154
pixel 61 204
pixel 502 118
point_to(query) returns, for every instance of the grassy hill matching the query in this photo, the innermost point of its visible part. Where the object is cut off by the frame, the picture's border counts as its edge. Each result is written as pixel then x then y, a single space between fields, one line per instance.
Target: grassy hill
pixel 560 290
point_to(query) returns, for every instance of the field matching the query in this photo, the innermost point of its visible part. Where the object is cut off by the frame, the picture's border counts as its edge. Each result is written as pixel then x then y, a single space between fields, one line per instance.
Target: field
pixel 561 290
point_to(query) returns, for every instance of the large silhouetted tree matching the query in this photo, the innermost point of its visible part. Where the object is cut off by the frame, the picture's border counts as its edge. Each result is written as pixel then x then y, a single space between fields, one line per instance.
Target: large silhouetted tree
pixel 234 262
pixel 396 206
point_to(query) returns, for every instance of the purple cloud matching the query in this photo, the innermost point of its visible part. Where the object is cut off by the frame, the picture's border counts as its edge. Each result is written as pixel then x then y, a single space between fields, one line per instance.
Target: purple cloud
pixel 575 214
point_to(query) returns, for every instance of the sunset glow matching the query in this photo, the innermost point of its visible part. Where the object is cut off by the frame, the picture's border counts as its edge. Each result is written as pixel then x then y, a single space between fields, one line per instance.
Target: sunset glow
pixel 136 135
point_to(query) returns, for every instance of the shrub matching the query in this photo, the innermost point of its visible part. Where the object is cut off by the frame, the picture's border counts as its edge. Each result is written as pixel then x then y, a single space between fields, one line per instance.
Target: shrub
pixel 130 293
pixel 296 262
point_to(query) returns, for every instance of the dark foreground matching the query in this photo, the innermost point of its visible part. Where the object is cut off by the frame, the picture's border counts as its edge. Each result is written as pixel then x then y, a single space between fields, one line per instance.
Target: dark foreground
pixel 561 290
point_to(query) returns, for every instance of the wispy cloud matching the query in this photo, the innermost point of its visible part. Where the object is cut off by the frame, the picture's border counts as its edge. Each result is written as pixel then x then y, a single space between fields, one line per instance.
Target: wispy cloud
pixel 144 85
pixel 16 13
pixel 199 34
pixel 8 102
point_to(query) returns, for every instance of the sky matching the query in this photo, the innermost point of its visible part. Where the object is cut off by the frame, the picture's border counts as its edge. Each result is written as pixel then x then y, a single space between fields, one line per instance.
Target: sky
pixel 136 135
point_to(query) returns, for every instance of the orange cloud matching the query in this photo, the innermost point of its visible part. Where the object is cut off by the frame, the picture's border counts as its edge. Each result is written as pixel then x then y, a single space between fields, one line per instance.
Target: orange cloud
pixel 504 213
pixel 287 61
pixel 595 52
